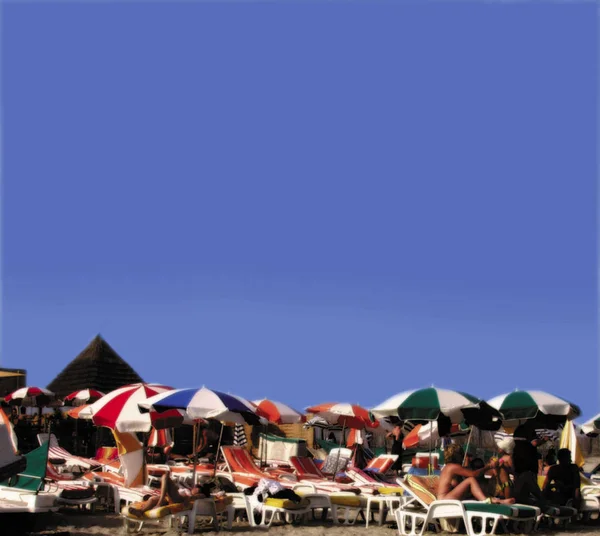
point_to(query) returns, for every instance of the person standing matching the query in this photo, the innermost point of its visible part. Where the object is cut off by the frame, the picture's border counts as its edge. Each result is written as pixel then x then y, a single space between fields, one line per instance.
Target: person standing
pixel 525 465
pixel 397 448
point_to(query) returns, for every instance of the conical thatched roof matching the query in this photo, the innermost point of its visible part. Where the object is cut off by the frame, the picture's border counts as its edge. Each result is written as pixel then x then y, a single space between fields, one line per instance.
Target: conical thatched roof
pixel 98 366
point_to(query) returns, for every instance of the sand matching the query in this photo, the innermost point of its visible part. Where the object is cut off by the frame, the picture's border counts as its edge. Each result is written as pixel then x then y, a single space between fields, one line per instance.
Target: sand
pixel 73 523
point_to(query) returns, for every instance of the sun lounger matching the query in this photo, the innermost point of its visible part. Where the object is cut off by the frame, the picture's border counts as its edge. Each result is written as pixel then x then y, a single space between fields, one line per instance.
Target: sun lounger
pixel 29 487
pixel 244 472
pixel 175 514
pixel 57 452
pixel 381 464
pixel 309 474
pixel 421 508
pixel 71 491
pixel 277 508
pixel 363 478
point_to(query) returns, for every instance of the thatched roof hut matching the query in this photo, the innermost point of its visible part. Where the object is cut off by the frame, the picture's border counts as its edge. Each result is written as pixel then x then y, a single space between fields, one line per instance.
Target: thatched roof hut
pixel 98 366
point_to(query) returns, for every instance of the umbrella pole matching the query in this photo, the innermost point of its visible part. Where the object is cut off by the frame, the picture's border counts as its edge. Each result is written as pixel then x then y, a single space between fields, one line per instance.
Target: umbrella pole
pixel 217 454
pixel 430 465
pixel 337 460
pixel 194 450
pixel 467 447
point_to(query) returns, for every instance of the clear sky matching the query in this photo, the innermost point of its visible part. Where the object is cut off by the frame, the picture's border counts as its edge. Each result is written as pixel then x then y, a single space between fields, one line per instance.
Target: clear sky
pixel 309 201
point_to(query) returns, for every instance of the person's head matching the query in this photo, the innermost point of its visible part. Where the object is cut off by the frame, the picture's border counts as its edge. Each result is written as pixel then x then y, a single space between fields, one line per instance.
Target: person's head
pixel 506 445
pixel 14 410
pixel 564 456
pixel 477 463
pixel 454 454
pixel 550 458
pixel 397 429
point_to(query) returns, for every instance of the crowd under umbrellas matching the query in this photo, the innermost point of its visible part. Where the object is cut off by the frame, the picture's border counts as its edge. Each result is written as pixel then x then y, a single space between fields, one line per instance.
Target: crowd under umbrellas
pixel 142 407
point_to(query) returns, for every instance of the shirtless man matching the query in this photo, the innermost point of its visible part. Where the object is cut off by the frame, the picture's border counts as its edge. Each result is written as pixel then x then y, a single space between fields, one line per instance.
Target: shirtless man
pixel 170 493
pixel 450 487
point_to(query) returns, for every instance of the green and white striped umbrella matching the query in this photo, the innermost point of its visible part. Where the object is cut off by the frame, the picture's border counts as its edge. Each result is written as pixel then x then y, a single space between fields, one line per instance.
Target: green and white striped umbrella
pixel 592 427
pixel 520 405
pixel 427 405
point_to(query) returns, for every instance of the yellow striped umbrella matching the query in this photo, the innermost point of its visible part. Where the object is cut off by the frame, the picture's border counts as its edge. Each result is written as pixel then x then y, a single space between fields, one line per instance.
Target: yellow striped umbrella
pixel 568 440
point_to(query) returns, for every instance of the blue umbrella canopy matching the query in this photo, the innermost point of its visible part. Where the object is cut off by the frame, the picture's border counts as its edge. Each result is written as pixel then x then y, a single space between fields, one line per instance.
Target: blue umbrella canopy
pixel 204 403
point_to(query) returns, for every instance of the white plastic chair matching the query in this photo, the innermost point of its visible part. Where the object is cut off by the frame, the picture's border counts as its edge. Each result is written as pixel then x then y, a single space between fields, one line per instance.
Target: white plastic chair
pixel 414 521
pixel 268 514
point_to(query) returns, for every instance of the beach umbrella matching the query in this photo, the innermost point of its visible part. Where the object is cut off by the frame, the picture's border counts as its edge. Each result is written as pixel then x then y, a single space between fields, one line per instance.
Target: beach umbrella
pixel 422 434
pixel 30 396
pixel 320 422
pixel 433 404
pixel 160 438
pixel 118 410
pixel 82 397
pixel 428 405
pixel 81 412
pixel 592 427
pixel 568 440
pixel 525 405
pixel 277 412
pixel 7 432
pixel 239 436
pixel 347 415
pixel 205 403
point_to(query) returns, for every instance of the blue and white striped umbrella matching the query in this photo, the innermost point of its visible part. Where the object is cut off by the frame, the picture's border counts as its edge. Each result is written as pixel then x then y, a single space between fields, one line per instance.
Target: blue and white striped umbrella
pixel 204 404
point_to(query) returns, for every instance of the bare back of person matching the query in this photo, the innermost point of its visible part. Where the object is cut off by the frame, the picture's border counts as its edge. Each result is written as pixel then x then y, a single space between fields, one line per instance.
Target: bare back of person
pixel 465 487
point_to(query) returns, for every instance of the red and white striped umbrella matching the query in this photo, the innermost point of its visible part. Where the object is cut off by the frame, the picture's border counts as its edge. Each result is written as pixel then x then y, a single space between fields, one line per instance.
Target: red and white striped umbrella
pixel 277 412
pixel 85 396
pixel 81 412
pixel 346 415
pixel 119 409
pixel 30 396
pixel 160 438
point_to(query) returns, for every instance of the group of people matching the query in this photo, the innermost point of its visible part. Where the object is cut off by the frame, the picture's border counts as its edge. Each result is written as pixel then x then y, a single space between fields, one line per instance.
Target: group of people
pixel 514 474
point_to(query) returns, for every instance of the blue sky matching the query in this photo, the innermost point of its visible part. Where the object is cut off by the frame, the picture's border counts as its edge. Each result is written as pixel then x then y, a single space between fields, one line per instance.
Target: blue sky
pixel 305 201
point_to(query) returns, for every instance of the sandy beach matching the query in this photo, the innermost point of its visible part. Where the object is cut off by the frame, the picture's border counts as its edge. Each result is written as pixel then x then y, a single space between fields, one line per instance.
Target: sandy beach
pixel 73 523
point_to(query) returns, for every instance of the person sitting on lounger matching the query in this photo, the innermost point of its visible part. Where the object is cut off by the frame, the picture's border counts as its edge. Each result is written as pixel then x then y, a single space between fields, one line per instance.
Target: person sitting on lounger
pixel 506 448
pixel 458 482
pixel 170 493
pixel 563 482
pixel 549 461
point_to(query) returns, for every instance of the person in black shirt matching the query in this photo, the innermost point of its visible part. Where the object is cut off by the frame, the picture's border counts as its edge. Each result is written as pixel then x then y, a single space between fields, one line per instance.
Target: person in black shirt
pixel 563 482
pixel 525 465
pixel 397 448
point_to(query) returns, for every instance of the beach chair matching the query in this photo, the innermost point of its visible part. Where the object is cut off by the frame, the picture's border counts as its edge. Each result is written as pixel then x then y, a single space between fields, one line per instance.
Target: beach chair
pixel 175 515
pixel 308 473
pixel 348 505
pixel 381 464
pixel 29 487
pixel 271 509
pixel 244 472
pixel 59 453
pixel 365 479
pixel 71 491
pixel 337 460
pixel 421 508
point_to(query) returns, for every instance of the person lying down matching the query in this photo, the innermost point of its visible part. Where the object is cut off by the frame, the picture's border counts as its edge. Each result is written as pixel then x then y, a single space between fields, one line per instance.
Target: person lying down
pixel 170 493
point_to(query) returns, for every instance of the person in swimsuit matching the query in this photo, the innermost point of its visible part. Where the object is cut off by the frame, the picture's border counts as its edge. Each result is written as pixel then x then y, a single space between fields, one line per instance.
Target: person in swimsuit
pixel 449 486
pixel 170 493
